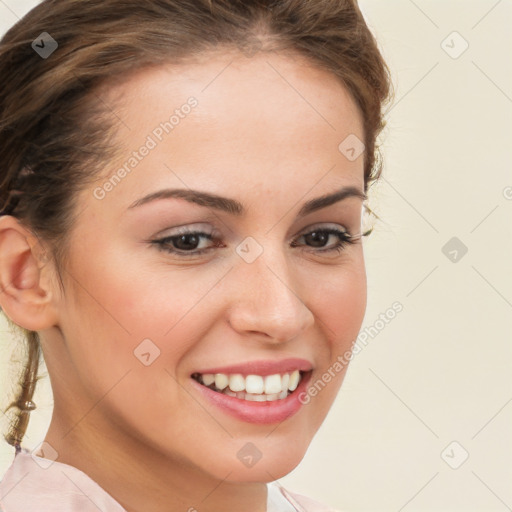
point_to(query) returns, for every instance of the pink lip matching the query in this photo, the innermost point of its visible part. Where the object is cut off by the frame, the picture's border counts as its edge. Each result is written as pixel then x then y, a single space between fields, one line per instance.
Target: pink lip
pixel 257 412
pixel 263 368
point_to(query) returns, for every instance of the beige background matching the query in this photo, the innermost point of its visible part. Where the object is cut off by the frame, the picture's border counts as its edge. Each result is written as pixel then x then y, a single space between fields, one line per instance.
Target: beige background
pixel 441 370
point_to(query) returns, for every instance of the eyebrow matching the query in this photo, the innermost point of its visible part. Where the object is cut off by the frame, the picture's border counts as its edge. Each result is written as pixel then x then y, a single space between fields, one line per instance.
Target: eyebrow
pixel 234 207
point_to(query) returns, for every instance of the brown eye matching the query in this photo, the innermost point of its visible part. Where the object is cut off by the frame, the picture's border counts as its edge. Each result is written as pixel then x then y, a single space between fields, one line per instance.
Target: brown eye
pixel 318 238
pixel 185 243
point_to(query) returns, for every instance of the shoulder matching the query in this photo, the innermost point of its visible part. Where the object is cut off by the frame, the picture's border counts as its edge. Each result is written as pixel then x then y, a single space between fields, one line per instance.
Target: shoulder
pixel 39 485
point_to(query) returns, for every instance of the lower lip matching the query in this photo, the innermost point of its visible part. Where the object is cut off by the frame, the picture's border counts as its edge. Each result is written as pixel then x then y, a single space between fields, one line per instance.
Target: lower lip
pixel 257 412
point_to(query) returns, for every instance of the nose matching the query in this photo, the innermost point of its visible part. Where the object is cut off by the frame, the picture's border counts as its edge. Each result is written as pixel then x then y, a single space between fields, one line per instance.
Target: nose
pixel 266 301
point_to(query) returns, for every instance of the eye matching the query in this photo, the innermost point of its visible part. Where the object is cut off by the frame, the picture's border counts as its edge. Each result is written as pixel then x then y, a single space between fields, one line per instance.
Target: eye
pixel 319 238
pixel 187 243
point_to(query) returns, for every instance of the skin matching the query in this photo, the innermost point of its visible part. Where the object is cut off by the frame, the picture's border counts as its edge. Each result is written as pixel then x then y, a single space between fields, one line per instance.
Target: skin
pixel 253 138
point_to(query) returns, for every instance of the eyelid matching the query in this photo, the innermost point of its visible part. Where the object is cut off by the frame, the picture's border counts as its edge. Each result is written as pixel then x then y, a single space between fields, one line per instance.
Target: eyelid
pixel 186 229
pixel 325 225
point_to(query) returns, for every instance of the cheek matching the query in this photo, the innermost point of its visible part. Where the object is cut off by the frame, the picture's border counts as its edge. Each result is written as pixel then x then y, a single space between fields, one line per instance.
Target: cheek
pixel 128 318
pixel 129 297
pixel 339 303
pixel 126 339
pixel 115 315
pixel 337 297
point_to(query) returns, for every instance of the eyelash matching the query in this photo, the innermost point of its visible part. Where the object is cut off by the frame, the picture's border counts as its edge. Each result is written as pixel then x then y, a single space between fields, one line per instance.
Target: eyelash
pixel 163 244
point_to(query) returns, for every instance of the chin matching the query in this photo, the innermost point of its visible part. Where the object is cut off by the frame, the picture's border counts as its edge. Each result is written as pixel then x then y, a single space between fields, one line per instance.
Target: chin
pixel 267 463
pixel 262 472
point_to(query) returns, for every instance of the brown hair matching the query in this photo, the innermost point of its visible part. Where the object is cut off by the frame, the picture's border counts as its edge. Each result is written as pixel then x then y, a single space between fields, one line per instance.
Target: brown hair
pixel 55 133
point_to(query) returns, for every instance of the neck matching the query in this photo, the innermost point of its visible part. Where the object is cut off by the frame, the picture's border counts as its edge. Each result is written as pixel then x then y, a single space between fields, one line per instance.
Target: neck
pixel 141 478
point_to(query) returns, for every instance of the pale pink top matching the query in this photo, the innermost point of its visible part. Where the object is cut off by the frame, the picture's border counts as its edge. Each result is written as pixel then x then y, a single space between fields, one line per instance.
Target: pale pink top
pixel 36 484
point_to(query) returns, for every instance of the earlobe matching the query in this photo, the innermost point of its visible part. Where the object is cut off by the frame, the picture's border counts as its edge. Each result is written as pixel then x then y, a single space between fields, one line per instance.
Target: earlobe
pixel 25 291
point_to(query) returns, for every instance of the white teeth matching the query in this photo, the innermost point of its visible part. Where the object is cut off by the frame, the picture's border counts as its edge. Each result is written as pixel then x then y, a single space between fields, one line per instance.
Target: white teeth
pixel 272 384
pixel 237 382
pixel 294 380
pixel 255 398
pixel 285 379
pixel 221 381
pixel 242 395
pixel 254 388
pixel 208 378
pixel 254 384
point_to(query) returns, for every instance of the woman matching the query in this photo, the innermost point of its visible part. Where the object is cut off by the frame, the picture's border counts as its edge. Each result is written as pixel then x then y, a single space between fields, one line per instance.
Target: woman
pixel 185 376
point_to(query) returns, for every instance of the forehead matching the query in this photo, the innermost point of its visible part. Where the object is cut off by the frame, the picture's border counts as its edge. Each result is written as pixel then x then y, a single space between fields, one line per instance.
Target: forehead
pixel 229 87
pixel 255 121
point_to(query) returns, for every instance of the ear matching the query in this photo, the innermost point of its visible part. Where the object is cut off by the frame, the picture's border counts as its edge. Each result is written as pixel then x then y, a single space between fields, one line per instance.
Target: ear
pixel 26 294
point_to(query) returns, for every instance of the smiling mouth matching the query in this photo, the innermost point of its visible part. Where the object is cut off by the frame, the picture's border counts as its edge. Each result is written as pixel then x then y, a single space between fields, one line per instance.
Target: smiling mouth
pixel 253 388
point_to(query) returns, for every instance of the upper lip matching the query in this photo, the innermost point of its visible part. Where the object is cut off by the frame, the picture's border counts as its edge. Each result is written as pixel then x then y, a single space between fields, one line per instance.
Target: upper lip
pixel 262 367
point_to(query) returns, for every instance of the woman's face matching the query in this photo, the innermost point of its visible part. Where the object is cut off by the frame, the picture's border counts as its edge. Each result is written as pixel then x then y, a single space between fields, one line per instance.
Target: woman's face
pixel 143 312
